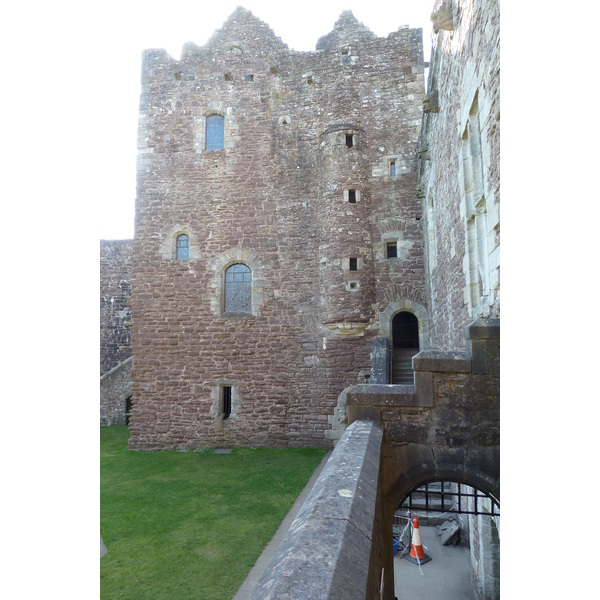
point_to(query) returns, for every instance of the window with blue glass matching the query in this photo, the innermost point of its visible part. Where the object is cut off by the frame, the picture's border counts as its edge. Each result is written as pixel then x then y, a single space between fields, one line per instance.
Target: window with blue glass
pixel 183 247
pixel 215 133
pixel 238 289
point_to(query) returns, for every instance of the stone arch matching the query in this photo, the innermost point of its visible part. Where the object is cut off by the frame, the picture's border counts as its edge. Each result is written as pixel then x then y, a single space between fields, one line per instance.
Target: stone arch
pixel 473 469
pixel 220 263
pixel 419 473
pixel 405 305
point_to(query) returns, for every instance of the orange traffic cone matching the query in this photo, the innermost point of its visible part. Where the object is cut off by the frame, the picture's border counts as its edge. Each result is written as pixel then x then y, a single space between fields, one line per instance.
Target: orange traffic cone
pixel 417 554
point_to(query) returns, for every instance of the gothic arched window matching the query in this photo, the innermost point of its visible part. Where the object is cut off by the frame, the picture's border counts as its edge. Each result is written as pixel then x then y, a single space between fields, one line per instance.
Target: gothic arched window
pixel 215 133
pixel 238 289
pixel 183 247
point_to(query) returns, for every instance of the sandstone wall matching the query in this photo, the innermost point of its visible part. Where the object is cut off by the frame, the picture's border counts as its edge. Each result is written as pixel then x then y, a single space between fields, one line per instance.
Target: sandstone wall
pixel 304 195
pixel 459 169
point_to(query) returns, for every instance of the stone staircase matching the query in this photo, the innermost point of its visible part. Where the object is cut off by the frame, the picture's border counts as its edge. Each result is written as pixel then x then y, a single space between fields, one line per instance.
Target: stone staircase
pixel 402 371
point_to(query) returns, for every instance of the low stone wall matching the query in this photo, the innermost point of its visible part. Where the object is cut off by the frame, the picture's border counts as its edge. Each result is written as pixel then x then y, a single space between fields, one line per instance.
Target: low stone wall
pixel 115 388
pixel 333 547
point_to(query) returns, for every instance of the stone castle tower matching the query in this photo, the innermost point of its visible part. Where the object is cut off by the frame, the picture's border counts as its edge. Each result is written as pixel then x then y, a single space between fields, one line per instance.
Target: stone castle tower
pixel 278 231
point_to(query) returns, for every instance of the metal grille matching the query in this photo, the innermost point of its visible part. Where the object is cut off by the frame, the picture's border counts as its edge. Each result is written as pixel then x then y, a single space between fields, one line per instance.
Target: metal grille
pixel 183 247
pixel 215 133
pixel 447 496
pixel 238 289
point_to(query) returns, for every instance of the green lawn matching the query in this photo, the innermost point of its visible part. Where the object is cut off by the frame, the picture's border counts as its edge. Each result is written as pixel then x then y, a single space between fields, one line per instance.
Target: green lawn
pixel 181 525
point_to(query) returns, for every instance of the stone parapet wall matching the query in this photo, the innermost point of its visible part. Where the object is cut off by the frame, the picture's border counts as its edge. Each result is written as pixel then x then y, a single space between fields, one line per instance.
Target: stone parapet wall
pixel 451 416
pixel 334 548
pixel 115 389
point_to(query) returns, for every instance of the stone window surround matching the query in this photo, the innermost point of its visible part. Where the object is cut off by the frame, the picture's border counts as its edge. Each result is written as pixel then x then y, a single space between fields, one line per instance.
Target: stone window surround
pixel 473 210
pixel 404 305
pixel 216 396
pixel 357 194
pixel 216 289
pixel 401 167
pixel 403 247
pixel 168 248
pixel 230 125
pixel 346 264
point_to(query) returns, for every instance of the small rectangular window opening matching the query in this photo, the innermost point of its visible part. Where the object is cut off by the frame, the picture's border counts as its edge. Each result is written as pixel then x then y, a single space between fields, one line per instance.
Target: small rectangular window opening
pixel 392 250
pixel 352 196
pixel 392 168
pixel 349 140
pixel 345 57
pixel 353 264
pixel 226 399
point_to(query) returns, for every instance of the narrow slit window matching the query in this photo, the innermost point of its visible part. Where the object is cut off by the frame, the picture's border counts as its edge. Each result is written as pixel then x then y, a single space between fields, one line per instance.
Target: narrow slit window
pixel 349 140
pixel 392 168
pixel 215 133
pixel 226 401
pixel 183 247
pixel 392 250
pixel 353 264
pixel 352 196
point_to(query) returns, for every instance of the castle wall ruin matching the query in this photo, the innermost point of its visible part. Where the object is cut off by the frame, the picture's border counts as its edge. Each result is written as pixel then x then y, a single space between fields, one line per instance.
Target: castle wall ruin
pixel 115 302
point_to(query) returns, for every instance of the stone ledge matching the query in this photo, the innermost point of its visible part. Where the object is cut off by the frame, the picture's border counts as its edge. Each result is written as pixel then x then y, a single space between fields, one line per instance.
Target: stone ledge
pixel 326 551
pixel 442 362
pixel 381 394
pixel 483 329
pixel 121 365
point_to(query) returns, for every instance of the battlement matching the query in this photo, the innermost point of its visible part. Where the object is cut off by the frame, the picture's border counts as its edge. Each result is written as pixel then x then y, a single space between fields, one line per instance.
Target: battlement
pixel 244 37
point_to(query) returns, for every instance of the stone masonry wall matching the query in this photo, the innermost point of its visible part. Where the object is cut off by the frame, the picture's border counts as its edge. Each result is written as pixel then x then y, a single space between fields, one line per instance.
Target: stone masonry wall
pixel 301 193
pixel 460 170
pixel 115 299
pixel 115 389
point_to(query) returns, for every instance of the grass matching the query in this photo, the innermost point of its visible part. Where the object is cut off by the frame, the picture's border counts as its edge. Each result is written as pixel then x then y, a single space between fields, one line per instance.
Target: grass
pixel 190 524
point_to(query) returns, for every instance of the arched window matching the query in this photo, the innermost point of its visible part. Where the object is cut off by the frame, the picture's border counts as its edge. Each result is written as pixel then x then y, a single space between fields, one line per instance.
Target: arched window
pixel 238 289
pixel 183 247
pixel 215 133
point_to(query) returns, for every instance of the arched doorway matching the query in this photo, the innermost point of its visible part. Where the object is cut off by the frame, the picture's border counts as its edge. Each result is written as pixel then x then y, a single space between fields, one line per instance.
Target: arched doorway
pixel 405 344
pixel 459 529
